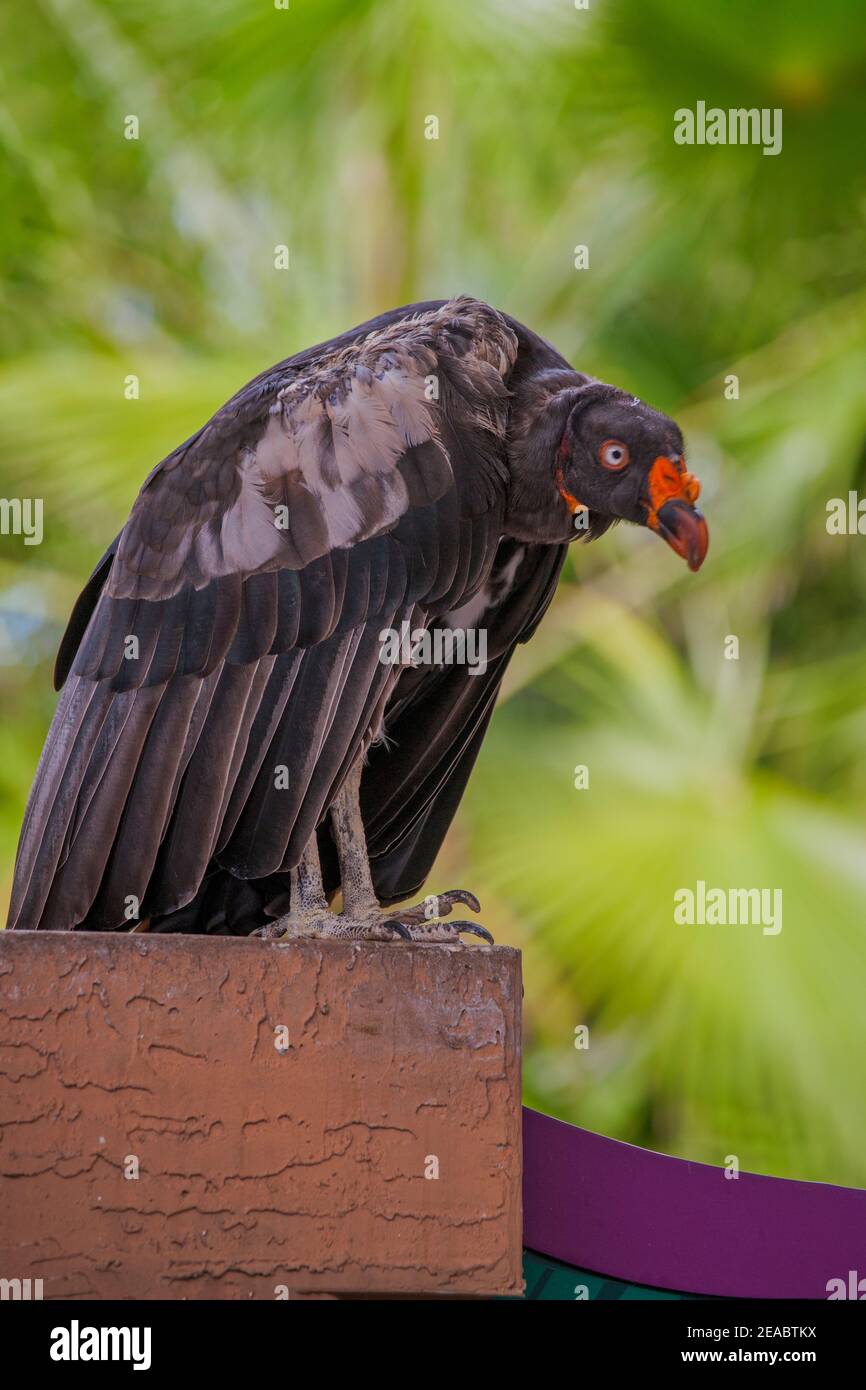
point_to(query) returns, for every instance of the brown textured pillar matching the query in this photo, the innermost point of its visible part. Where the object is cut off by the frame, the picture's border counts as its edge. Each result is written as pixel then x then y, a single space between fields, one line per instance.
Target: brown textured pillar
pixel 192 1118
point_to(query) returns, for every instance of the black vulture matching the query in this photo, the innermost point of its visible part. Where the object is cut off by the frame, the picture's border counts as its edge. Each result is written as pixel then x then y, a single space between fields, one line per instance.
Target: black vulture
pixel 231 745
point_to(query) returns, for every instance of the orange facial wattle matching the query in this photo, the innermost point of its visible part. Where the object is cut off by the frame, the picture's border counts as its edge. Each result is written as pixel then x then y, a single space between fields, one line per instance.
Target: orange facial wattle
pixel 669 481
pixel 671 512
pixel 570 501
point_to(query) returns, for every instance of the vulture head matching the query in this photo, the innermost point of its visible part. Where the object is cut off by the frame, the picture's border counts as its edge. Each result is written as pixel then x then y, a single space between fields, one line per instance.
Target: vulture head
pixel 614 459
pixel 623 460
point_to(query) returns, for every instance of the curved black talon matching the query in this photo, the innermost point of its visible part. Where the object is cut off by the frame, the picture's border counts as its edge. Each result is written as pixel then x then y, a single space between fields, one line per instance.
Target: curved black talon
pixel 458 895
pixel 397 926
pixel 475 930
pixel 444 902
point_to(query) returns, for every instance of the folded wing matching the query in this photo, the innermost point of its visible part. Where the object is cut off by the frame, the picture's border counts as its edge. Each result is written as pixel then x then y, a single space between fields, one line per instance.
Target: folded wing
pixel 221 671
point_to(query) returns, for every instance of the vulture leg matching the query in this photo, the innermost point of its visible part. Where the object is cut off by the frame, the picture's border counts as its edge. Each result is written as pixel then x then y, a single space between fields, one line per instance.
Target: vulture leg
pixel 362 919
pixel 419 923
pixel 309 914
pixel 359 898
pixel 309 908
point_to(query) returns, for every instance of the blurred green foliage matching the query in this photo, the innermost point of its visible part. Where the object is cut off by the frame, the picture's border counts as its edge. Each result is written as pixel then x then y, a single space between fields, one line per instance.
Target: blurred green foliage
pixel 306 127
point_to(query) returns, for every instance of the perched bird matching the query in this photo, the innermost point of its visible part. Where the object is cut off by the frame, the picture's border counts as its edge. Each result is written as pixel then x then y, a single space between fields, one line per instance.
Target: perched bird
pixel 230 746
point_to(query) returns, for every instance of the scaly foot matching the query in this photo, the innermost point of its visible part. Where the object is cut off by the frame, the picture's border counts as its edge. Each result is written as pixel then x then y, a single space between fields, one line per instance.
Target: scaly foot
pixel 421 923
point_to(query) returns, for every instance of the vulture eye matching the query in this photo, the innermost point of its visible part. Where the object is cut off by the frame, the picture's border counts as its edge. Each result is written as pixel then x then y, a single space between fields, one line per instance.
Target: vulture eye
pixel 613 454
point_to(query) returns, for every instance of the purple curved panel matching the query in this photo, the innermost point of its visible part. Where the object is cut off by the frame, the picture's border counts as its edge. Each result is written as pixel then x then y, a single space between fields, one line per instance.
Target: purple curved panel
pixel 650 1219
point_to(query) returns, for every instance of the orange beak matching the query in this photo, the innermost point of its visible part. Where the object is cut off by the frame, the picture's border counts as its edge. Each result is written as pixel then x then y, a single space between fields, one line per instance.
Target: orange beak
pixel 671 510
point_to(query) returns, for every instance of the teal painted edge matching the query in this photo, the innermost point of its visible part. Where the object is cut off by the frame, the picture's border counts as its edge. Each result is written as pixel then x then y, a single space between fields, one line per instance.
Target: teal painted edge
pixel 548 1279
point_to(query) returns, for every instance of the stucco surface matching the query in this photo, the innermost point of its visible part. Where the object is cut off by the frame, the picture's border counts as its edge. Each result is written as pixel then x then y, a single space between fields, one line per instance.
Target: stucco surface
pixel 280 1105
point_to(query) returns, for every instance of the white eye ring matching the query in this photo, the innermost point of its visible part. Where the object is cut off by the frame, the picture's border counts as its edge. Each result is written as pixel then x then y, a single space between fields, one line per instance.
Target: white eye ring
pixel 613 454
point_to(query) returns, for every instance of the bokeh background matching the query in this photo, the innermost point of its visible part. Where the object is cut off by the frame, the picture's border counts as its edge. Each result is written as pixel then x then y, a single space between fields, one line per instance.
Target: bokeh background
pixel 306 127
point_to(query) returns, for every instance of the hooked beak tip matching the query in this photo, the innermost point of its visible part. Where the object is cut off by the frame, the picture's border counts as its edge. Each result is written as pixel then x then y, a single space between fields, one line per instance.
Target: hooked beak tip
pixel 684 529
